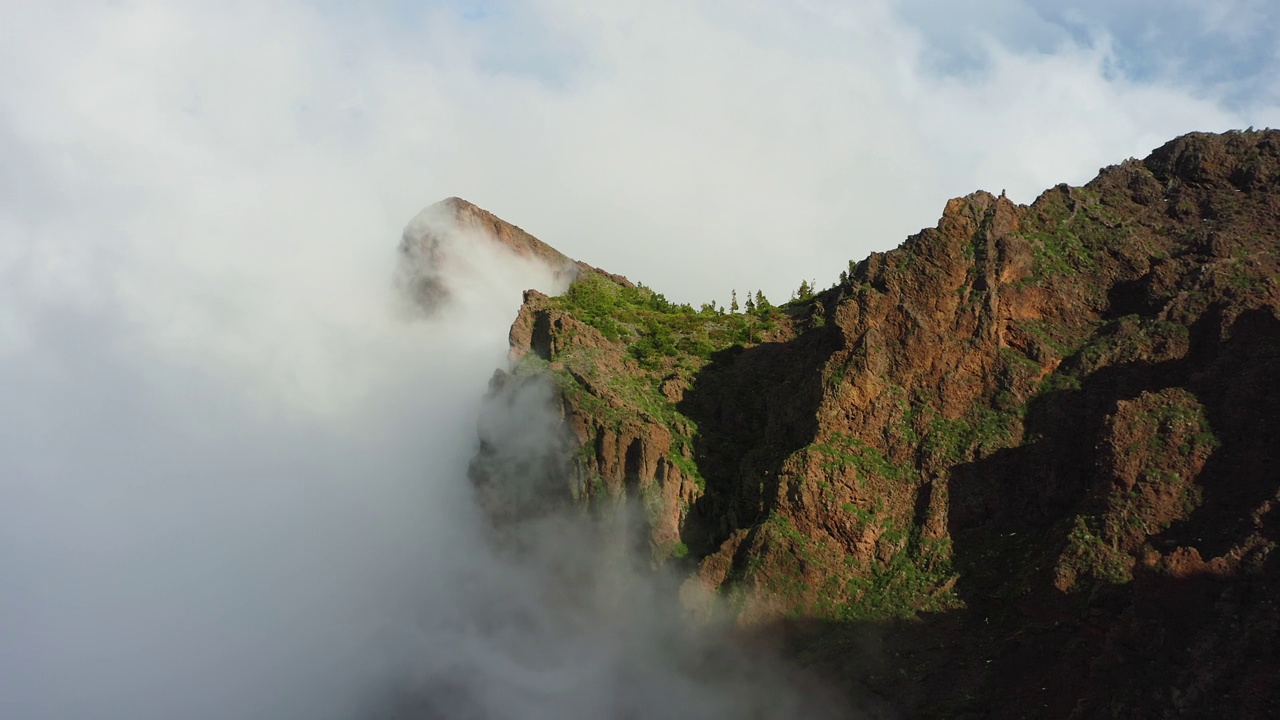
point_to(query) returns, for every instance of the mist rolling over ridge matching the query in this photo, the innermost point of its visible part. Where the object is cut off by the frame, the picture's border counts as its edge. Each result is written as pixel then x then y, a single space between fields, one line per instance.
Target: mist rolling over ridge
pixel 245 545
pixel 196 544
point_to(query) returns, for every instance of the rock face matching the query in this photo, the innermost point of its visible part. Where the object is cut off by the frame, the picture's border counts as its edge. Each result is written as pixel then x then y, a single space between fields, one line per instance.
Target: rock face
pixel 440 234
pixel 1022 465
pixel 445 231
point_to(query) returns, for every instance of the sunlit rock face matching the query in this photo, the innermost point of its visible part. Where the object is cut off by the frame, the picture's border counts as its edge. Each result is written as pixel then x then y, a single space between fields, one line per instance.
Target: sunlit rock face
pixel 1021 465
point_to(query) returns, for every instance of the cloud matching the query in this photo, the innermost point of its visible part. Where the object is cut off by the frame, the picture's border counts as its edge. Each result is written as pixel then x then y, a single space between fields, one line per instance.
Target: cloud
pixel 231 472
pixel 704 147
pixel 186 539
pixel 695 147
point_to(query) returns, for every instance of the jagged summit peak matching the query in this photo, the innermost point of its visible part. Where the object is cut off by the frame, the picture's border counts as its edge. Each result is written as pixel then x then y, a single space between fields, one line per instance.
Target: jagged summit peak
pixel 454 214
pixel 436 239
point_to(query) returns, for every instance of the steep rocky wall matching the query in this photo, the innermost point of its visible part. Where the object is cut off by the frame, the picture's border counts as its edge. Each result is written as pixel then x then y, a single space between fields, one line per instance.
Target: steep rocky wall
pixel 1033 448
pixel 627 448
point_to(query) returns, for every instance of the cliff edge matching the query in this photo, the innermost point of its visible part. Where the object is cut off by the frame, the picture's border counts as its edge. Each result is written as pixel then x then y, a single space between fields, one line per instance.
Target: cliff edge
pixel 1022 465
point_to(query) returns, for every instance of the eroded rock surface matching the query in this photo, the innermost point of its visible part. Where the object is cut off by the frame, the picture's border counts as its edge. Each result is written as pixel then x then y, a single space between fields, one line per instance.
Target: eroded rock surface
pixel 1024 465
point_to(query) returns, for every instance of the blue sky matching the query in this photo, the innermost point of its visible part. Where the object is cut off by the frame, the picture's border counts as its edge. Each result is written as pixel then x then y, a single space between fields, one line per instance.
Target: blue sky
pixel 1126 76
pixel 1226 50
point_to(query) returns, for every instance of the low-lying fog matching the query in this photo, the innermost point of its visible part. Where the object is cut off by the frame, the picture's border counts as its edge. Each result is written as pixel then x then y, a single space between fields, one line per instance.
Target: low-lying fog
pixel 256 506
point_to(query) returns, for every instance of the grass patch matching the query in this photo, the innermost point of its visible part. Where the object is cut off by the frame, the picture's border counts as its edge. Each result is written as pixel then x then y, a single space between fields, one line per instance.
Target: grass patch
pixel 843 452
pixel 656 330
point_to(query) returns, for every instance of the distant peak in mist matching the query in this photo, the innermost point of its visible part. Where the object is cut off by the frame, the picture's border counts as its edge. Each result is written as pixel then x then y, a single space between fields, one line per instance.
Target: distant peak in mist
pixel 453 238
pixel 436 239
pixel 466 216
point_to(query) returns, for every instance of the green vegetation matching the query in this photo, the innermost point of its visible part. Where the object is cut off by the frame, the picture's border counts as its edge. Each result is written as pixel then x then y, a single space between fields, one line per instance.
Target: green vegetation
pixel 1070 231
pixel 805 292
pixel 1248 277
pixel 782 525
pixel 845 452
pixel 1169 427
pixel 1058 382
pixel 914 580
pixel 1060 253
pixel 1175 418
pixel 1091 554
pixel 666 343
pixel 982 431
pixel 651 496
pixel 1051 339
pixel 864 517
pixel 784 576
pixel 659 333
pixel 1125 339
pixel 687 467
pixel 1131 338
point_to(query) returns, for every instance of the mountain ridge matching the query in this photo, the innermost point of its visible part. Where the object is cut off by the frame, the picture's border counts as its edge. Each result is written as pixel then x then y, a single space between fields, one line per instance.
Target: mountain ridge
pixel 434 239
pixel 1031 449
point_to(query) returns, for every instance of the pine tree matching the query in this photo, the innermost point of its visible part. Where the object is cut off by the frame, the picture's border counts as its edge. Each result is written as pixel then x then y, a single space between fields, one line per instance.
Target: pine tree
pixel 762 302
pixel 733 303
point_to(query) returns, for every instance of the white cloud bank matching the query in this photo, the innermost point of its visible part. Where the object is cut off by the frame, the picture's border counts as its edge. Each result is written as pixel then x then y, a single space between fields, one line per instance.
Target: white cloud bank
pixel 228 468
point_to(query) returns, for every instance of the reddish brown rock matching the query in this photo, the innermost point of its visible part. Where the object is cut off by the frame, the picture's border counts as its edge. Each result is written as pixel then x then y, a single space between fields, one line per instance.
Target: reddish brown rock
pixel 1024 465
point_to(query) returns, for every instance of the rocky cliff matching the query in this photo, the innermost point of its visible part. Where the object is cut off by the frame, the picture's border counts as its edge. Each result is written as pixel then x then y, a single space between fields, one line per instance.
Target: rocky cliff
pixel 1022 465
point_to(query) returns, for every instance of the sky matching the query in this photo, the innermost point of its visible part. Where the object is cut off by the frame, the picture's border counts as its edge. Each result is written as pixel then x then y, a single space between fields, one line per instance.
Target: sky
pixel 696 147
pixel 232 466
